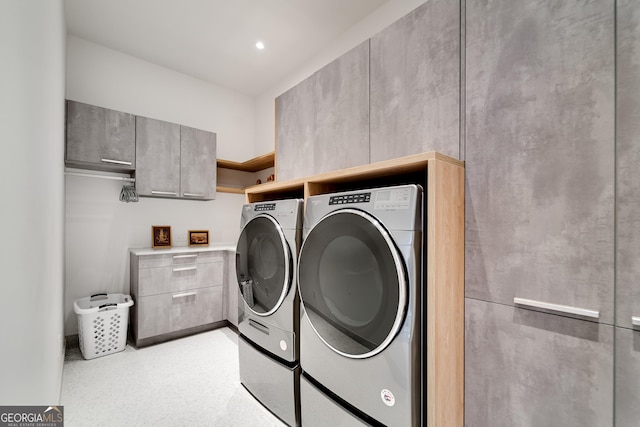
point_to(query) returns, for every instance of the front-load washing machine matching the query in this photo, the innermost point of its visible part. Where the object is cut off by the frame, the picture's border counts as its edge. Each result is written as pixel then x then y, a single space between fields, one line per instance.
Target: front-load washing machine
pixel 360 283
pixel 268 313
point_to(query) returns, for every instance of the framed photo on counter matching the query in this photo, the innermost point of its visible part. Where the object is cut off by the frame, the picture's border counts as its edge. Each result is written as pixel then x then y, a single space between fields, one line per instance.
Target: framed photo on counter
pixel 198 237
pixel 161 236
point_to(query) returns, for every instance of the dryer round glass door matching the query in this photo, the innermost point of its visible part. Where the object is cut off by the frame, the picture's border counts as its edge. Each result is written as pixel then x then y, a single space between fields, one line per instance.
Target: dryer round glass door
pixel 352 283
pixel 263 265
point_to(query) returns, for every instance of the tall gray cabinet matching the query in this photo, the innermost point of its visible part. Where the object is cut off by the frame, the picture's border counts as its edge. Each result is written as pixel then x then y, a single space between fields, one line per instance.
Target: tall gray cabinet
pixel 540 214
pixel 628 215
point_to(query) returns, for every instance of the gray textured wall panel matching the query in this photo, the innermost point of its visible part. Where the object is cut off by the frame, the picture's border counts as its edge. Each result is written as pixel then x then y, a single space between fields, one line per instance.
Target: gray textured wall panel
pixel 415 83
pixel 540 152
pixel 525 368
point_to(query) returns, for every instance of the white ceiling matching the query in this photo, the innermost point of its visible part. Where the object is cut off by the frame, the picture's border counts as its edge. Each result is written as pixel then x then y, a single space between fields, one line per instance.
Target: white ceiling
pixel 214 40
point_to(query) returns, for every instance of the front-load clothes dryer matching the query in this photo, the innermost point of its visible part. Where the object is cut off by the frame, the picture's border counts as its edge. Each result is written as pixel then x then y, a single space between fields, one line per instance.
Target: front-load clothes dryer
pixel 268 312
pixel 360 280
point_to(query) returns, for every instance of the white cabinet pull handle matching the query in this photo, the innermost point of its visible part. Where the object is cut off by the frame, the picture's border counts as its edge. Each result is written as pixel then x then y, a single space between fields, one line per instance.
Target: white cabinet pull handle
pixel 635 320
pixel 185 256
pixel 192 195
pixel 195 267
pixel 558 307
pixel 186 294
pixel 116 162
pixel 164 193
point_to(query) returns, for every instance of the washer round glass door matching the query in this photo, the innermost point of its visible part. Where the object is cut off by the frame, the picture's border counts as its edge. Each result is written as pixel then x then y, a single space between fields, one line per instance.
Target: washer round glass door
pixel 263 265
pixel 352 283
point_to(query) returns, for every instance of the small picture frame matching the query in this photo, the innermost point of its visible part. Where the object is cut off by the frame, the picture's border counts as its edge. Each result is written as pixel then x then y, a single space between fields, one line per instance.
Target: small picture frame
pixel 161 236
pixel 198 237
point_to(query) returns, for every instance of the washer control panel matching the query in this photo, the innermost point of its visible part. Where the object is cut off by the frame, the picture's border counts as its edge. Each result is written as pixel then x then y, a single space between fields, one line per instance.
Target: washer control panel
pixel 350 198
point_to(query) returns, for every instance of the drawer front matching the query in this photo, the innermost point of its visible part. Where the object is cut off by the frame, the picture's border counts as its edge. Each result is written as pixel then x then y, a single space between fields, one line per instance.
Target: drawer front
pixel 153 281
pixel 161 314
pixel 167 260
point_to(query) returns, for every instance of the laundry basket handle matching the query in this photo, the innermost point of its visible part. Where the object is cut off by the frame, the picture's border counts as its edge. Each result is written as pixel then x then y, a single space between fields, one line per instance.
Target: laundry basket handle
pixel 105 295
pixel 111 304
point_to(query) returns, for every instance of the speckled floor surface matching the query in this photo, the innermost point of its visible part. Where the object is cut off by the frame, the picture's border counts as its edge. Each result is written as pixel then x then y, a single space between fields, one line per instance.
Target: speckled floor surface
pixel 192 381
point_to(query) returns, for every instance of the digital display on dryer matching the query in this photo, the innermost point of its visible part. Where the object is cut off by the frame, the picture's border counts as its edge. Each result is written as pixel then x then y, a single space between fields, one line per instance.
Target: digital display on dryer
pixel 350 198
pixel 265 207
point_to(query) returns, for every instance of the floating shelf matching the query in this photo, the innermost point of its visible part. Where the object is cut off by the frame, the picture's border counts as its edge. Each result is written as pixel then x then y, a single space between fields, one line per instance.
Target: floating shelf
pixel 252 165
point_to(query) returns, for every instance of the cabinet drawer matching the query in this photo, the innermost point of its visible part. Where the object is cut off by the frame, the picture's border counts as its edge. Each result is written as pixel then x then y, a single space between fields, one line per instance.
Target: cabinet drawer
pixel 165 260
pixel 176 278
pixel 161 314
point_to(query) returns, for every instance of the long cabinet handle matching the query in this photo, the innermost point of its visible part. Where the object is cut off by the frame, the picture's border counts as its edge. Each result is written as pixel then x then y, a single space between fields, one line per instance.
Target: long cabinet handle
pixel 195 267
pixel 192 195
pixel 185 256
pixel 186 294
pixel 635 320
pixel 164 193
pixel 558 307
pixel 116 162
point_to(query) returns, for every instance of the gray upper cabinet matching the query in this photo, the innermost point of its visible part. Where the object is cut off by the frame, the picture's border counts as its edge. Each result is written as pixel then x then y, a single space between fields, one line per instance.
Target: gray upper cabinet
pixel 99 138
pixel 295 127
pixel 174 160
pixel 415 83
pixel 157 158
pixel 628 158
pixel 540 153
pixel 322 124
pixel 341 99
pixel 526 368
pixel 197 164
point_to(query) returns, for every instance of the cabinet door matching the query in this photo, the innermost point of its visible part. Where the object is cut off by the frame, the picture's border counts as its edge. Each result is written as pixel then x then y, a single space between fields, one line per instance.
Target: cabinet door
pixel 197 164
pixel 322 124
pixel 99 138
pixel 540 153
pixel 415 83
pixel 525 368
pixel 628 158
pixel 157 158
pixel 627 377
pixel 341 123
pixel 295 112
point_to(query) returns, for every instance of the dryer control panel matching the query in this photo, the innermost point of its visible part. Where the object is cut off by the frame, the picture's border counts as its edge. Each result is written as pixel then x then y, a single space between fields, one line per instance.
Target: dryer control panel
pixel 265 207
pixel 350 198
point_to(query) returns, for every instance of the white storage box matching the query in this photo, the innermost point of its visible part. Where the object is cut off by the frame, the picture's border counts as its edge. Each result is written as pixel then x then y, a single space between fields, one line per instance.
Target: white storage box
pixel 102 323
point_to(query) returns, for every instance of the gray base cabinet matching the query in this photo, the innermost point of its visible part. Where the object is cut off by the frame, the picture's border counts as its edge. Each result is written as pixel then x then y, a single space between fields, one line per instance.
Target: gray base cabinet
pixel 175 291
pixel 525 368
pixel 415 83
pixel 99 138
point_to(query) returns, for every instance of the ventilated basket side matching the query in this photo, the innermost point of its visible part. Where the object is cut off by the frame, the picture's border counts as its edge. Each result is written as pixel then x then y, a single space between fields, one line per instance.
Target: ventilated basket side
pixel 103 330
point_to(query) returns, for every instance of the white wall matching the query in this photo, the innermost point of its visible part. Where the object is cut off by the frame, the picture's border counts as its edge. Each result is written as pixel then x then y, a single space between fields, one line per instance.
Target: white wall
pixel 99 228
pixel 378 20
pixel 32 44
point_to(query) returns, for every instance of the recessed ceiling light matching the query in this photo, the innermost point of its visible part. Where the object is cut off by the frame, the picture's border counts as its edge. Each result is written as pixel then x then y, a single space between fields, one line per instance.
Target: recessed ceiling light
pixel 260 45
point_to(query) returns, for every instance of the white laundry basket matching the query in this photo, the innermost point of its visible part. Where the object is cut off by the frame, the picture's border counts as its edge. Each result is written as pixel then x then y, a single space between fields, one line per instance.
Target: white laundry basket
pixel 102 323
